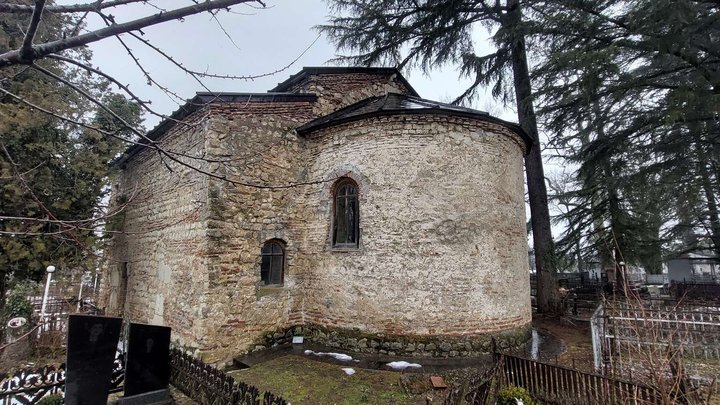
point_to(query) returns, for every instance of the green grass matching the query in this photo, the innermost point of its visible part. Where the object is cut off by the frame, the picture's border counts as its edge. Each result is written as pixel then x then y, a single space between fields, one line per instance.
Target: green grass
pixel 302 380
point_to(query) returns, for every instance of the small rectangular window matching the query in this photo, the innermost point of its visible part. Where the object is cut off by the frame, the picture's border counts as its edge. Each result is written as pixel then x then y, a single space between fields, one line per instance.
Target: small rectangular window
pixel 272 262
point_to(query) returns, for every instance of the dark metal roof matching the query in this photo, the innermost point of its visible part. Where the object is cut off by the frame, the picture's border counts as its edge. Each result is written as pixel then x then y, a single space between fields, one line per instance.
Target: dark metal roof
pixel 317 70
pixel 203 99
pixel 395 104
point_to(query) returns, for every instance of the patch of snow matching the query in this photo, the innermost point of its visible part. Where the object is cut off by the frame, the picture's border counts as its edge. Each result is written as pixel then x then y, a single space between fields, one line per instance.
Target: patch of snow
pixel 402 365
pixel 348 371
pixel 340 356
pixel 535 346
pixel 336 356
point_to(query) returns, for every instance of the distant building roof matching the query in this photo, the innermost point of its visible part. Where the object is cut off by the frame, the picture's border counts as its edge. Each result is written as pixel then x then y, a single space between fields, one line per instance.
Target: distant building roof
pixel 318 70
pixel 699 255
pixel 394 103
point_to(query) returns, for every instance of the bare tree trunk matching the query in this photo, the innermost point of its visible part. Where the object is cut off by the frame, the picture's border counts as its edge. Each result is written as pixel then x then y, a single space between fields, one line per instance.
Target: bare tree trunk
pixel 712 207
pixel 547 291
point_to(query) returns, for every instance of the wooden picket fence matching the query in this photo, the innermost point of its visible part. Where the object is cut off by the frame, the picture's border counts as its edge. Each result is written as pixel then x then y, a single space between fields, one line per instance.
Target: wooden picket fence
pixel 560 385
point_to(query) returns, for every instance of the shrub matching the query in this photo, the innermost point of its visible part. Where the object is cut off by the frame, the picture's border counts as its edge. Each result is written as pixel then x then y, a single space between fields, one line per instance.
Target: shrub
pixel 54 399
pixel 509 396
pixel 17 303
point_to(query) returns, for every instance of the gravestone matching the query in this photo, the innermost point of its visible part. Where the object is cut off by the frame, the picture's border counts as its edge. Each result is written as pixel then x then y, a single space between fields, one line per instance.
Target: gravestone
pixel 92 344
pixel 148 359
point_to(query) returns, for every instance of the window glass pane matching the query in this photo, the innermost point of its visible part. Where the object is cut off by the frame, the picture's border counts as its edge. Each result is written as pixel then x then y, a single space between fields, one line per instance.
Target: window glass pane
pixel 267 248
pixel 265 269
pixel 276 248
pixel 351 219
pixel 346 215
pixel 341 225
pixel 276 270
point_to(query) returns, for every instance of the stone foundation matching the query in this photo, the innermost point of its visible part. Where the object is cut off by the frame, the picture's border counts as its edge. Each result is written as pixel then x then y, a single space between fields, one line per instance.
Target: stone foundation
pixel 408 346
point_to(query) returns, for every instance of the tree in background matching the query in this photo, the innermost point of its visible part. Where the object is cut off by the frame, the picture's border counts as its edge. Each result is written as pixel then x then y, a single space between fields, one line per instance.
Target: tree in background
pixel 53 174
pixel 630 93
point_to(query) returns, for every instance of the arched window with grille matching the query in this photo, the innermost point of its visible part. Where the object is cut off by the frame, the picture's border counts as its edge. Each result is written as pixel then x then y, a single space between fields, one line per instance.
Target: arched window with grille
pixel 272 263
pixel 346 214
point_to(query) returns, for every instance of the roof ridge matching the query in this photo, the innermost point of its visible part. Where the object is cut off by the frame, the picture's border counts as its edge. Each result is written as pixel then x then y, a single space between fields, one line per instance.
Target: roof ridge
pixel 309 70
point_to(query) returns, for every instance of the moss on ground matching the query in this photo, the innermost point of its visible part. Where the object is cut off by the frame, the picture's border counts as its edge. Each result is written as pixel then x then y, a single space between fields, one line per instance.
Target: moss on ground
pixel 301 380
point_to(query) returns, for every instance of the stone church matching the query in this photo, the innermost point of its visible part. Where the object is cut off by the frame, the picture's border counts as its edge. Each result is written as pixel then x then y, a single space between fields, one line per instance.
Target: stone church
pixel 339 206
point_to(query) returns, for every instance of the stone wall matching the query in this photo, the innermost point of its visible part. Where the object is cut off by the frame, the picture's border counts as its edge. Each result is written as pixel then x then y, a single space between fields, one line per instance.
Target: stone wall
pixel 163 247
pixel 442 254
pixel 336 91
pixel 398 345
pixel 260 150
pixel 442 222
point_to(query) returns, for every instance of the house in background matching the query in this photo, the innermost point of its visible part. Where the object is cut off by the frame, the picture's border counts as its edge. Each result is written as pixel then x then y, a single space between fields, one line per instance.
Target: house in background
pixel 339 206
pixel 695 267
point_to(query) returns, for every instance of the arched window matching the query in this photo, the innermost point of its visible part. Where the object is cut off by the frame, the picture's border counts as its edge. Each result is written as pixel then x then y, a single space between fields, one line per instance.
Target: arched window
pixel 346 214
pixel 272 264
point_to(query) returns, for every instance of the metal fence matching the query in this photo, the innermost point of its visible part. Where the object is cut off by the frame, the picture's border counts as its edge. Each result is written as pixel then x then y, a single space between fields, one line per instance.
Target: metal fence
pixel 696 290
pixel 29 386
pixel 624 332
pixel 561 385
pixel 209 386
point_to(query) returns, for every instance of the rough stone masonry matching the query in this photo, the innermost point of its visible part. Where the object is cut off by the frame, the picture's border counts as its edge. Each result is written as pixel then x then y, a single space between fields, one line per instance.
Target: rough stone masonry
pixel 441 263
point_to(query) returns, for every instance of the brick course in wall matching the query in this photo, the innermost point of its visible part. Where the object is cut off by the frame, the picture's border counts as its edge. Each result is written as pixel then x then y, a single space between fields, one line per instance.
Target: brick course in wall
pixel 442 258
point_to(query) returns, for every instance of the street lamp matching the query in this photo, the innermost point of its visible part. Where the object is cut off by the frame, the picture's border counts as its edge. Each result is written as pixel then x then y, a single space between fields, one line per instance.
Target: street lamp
pixel 50 270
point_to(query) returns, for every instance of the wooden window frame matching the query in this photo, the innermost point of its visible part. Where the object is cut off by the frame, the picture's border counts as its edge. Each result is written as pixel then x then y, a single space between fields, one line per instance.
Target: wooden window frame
pixel 333 230
pixel 273 256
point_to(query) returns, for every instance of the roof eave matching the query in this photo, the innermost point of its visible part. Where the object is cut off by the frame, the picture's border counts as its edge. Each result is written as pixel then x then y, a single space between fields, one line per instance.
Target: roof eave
pixel 201 100
pixel 529 142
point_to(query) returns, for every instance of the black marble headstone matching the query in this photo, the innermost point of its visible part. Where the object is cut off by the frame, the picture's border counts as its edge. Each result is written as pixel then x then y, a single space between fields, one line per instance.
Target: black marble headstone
pixel 148 359
pixel 92 344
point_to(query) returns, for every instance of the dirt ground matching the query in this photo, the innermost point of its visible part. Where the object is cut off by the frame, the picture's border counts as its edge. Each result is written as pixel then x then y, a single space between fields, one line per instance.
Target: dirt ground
pixel 576 351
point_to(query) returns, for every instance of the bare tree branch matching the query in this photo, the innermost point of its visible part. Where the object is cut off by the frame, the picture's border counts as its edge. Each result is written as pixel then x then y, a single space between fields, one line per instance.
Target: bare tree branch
pixel 123 87
pixel 95 6
pixel 42 50
pixel 68 119
pixel 27 46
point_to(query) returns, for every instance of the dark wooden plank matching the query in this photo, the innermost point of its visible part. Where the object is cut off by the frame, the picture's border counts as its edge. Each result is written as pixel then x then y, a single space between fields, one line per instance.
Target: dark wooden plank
pixel 527 369
pixel 515 376
pixel 532 373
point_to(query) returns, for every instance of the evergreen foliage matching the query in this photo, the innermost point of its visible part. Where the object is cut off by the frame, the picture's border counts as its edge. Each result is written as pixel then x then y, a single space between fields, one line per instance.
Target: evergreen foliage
pixel 630 91
pixel 17 303
pixel 51 173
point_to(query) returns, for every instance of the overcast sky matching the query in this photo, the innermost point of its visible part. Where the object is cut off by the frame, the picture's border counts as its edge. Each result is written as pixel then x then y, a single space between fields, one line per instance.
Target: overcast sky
pixel 263 40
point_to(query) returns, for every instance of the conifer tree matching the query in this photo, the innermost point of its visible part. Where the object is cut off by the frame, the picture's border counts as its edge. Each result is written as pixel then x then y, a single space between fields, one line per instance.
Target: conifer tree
pixel 634 84
pixel 53 175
